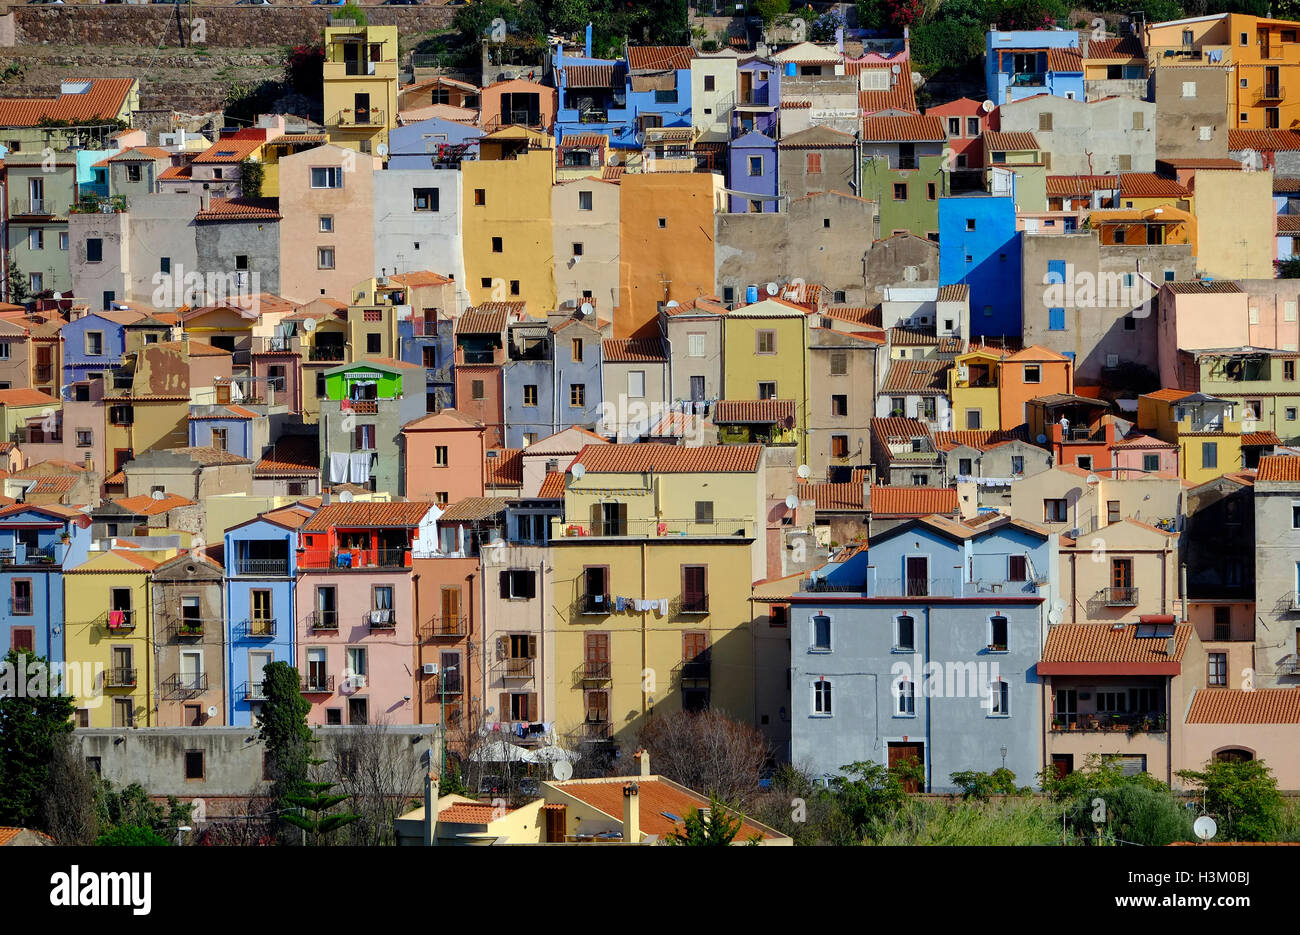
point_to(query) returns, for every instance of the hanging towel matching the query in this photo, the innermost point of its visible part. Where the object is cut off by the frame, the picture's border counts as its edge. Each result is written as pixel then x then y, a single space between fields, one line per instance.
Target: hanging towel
pixel 361 467
pixel 338 467
pixel 661 605
pixel 345 405
pixel 115 619
pixel 618 604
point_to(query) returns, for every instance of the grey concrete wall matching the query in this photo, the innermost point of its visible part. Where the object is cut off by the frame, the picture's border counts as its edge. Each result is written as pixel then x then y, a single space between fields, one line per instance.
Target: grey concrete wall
pixel 890 261
pixel 1277 552
pixel 1179 119
pixel 1087 138
pixel 217 243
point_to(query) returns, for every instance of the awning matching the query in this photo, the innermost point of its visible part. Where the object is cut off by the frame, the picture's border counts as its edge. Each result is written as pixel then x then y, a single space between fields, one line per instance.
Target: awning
pixel 667 81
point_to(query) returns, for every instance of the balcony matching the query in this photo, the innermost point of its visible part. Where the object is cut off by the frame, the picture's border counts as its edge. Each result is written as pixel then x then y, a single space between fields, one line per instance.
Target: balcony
pixel 118 621
pixel 451 684
pixel 1154 722
pixel 595 604
pixel 1120 597
pixel 44 373
pixel 379 620
pixel 325 352
pixel 323 620
pixel 98 204
pixel 186 686
pixel 514 668
pixel 920 587
pixel 317 684
pixel 648 528
pixel 443 628
pixel 262 567
pixel 259 628
pixel 20 606
pixel 694 670
pixel 1289 665
pixel 252 691
pixel 36 206
pixel 592 730
pixel 185 628
pixel 119 678
pixel 592 673
pixel 365 407
pixel 30 555
pixel 1270 93
pixel 373 117
pixel 1028 79
pixel 686 606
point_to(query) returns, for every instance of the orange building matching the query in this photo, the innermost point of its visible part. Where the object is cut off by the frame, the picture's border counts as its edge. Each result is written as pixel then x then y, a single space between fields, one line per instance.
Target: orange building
pixel 444 454
pixel 666 242
pixel 1025 375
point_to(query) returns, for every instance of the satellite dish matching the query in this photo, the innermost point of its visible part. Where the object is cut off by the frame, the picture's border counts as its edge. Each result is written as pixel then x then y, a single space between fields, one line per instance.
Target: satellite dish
pixel 158 495
pixel 895 69
pixel 987 107
pixel 578 472
pixel 792 501
pixel 585 309
pixel 309 325
pixel 212 710
pixel 562 770
pixel 346 496
pixel 1041 438
pixel 1205 827
pixel 672 303
pixel 57 296
pixel 382 150
pixel 1056 611
pixel 1094 479
pixel 772 288
pixel 804 471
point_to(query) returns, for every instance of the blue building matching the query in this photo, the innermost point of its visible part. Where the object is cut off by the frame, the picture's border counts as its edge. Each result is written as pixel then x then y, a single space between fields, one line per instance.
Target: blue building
pixel 621 98
pixel 758 98
pixel 1023 63
pixel 229 428
pixel 980 246
pixel 91 344
pixel 925 647
pixel 36 544
pixel 753 171
pixel 551 380
pixel 418 145
pixel 261 565
pixel 431 344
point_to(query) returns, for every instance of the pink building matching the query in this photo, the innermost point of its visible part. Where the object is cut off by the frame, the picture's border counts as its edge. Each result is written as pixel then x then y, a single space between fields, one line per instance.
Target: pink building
pixel 525 103
pixel 1139 453
pixel 964 123
pixel 1271 310
pixel 444 457
pixel 1229 723
pixel 1198 315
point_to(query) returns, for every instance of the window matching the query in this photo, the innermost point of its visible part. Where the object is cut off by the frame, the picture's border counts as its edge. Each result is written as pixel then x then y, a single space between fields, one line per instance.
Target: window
pixel 1209 454
pixel 709 81
pixel 767 389
pixel 1150 463
pixel 954 126
pixel 839 363
pixel 974 419
pixel 326 224
pixel 1045 120
pixel 1189 89
pixel 839 405
pixel 94 249
pixel 663 223
pixel 821 634
pixel 426 199
pixel 1017 568
pixel 964 467
pixel 695 345
pixel 1017 464
pixel 998 630
pixel 364 437
pixel 480 197
pixel 327 177
pixel 1084 462
pixel 905 699
pixel 1290 413
pixel 476 389
pixel 530 394
pixel 904 633
pixel 755 166
pixel 1056 319
pixel 813 163
pixel 497 245
pixel 1124 162
pixel 900 191
pixel 931 191
pixel 85 438
pixel 695 589
pixel 36 241
pixel 584 201
pixel 703 511
pixel 220 438
pixel 194 764
pixel 1054 511
pixel 766 342
pixel 518 584
pixel 1218 669
pixel 514 287
pixel 822 697
pixel 636 384
pixel 1222 623
pixel 324 257
pixel 576 249
pixel 1033 373
pixel 374 342
pixel 972 126
pixel 1288 370
pixel 1000 699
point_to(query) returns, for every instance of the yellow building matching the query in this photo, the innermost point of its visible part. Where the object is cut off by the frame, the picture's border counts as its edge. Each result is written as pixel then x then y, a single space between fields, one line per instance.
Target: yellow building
pixel 652 571
pixel 108 615
pixel 973 385
pixel 765 346
pixel 147 404
pixel 286 145
pixel 1236 223
pixel 360 86
pixel 1262 56
pixel 1204 428
pixel 506 230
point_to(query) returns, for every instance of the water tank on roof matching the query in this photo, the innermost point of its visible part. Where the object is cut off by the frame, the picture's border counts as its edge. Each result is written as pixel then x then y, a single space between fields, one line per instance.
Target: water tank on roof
pixel 791 69
pixel 751 295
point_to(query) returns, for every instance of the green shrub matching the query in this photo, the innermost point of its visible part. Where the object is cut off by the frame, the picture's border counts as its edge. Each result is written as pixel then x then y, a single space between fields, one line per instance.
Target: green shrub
pixel 132 836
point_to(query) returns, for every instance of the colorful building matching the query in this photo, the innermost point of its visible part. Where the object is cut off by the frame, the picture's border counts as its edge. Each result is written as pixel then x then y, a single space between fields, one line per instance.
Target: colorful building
pixel 765 345
pixel 40 543
pixel 903 172
pixel 1207 430
pixel 360 85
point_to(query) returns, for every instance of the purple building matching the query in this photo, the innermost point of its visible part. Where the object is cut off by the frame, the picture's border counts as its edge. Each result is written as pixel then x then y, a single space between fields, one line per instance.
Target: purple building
pixel 753 171
pixel 758 97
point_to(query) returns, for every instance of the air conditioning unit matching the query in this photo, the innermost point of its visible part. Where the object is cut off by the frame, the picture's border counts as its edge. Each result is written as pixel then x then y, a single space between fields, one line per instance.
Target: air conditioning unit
pixel 430 668
pixel 358 682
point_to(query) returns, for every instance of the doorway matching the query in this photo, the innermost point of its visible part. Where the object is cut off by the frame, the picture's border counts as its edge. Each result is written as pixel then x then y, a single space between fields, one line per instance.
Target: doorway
pixel 903 753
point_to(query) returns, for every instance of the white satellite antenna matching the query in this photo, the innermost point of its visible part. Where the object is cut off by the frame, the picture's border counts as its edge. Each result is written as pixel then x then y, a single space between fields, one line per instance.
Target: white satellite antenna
pixel 382 150
pixel 792 502
pixel 158 495
pixel 1093 479
pixel 1056 611
pixel 672 303
pixel 57 296
pixel 585 309
pixel 1205 827
pixel 772 288
pixel 346 496
pixel 804 471
pixel 578 472
pixel 562 770
pixel 987 107
pixel 895 69
pixel 212 710
pixel 309 325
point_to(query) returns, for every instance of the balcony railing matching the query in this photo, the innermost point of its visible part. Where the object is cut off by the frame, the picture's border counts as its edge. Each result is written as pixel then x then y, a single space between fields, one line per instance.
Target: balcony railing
pixel 36 206
pixel 323 620
pixel 262 567
pixel 186 686
pixel 919 587
pixel 593 730
pixel 694 604
pixel 592 672
pixel 325 352
pixel 99 204
pixel 512 668
pixel 1270 92
pixel 648 528
pixel 186 627
pixel 118 677
pixel 373 117
pixel 20 606
pixel 355 558
pixel 1120 597
pixel 448 685
pixel 695 670
pixel 443 628
pixel 1153 722
pixel 317 684
pixel 365 407
pixel 1029 79
pixel 1290 665
pixel 253 691
pixel 259 628
pixel 379 619
pixel 596 604
pixel 118 620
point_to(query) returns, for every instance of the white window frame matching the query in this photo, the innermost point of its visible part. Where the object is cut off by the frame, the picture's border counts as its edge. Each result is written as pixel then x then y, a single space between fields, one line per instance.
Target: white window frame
pixel 1000 698
pixel 333 174
pixel 904 700
pixel 812 633
pixel 814 707
pixel 1007 619
pixel 898 647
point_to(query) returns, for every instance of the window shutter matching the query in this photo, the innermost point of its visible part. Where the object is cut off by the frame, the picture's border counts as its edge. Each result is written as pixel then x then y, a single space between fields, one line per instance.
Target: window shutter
pixel 505 584
pixel 503 712
pixel 532 647
pixel 622 519
pixel 597 520
pixel 530 585
pixel 503 647
pixel 533 713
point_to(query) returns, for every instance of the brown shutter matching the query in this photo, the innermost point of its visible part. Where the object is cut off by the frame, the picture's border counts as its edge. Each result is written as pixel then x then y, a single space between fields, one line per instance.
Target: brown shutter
pixel 597 520
pixel 694 646
pixel 533 713
pixel 622 520
pixel 505 584
pixel 503 712
pixel 532 647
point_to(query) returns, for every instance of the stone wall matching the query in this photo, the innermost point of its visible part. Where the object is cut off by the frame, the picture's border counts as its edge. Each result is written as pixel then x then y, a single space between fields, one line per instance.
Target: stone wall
pixel 222 26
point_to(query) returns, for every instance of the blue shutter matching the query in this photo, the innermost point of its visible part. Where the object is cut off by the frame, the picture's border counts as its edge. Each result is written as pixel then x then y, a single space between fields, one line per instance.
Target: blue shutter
pixel 1056 319
pixel 1055 271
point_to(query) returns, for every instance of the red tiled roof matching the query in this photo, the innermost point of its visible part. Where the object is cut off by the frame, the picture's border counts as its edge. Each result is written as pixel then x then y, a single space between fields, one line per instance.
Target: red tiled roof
pixel 229 150
pixel 583 140
pixel 421 277
pixel 898 428
pixel 912 501
pixel 1012 142
pixel 1149 185
pixel 612 173
pixel 1237 706
pixel 858 315
pixel 1141 440
pixel 658 799
pixel 506 469
pixel 240 209
pixel 1278 467
pixel 474 509
pixel 1080 185
pixel 552 487
pixel 472 813
pixel 903 129
pixel 953 292
pixel 1260 438
pixel 1198 286
pixel 831 497
pixel 1213 162
pixel 659 57
pixel 1288 223
pixel 916 376
pixel 176 172
pixel 136 154
pixel 145 505
pixel 488 318
pixel 1122 47
pixel 1168 395
pixel 1064 60
pixel 25 396
pixel 103 101
pixel 670 459
pixel 983 439
pixel 900 95
pixel 1263 141
pixel 590 76
pixel 361 513
pixel 633 350
pixel 227 412
pixel 1101 642
pixel 291 456
pixel 755 411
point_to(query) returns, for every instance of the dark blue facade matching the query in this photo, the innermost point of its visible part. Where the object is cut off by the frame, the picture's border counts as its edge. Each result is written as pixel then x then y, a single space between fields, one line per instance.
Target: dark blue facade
pixel 980 246
pixel 435 351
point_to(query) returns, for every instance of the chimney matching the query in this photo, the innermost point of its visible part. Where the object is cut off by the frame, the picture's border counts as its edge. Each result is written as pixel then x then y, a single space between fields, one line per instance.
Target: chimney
pixel 325 496
pixel 642 758
pixel 631 814
pixel 430 809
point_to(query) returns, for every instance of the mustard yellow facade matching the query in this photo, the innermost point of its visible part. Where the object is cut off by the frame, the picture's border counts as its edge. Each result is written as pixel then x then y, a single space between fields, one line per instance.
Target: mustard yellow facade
pixel 973 385
pixel 1206 430
pixel 360 85
pixel 1237 224
pixel 765 356
pixel 506 220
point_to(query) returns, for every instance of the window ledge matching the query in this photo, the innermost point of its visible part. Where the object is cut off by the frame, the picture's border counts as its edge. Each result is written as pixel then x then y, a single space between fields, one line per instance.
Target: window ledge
pixel 817 649
pixel 904 651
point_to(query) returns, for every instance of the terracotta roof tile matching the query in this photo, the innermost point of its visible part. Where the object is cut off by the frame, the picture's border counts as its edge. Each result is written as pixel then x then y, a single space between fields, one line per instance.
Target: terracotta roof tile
pixel 1249 439
pixel 1168 395
pixel 1263 141
pixel 145 505
pixel 1064 60
pixel 659 57
pixel 954 292
pixel 670 459
pixel 1009 142
pixel 552 486
pixel 488 318
pixel 831 497
pixel 1288 223
pixel 228 150
pixel 1122 47
pixel 361 513
pixel 1142 440
pixel 176 172
pixel 1101 642
pixel 633 350
pixel 1150 185
pixel 983 439
pixel 103 101
pixel 658 800
pixel 24 396
pixel 1080 185
pixel 912 501
pixel 472 813
pixel 504 470
pixel 900 96
pixel 240 209
pixel 422 277
pixel 474 509
pixel 898 429
pixel 1278 467
pixel 612 173
pixel 592 76
pixel 917 376
pixel 903 129
pixel 210 457
pixel 1198 286
pixel 291 456
pixel 754 411
pixel 1236 706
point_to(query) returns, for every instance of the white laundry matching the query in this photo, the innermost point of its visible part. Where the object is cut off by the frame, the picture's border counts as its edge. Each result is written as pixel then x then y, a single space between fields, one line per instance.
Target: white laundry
pixel 661 605
pixel 361 467
pixel 338 467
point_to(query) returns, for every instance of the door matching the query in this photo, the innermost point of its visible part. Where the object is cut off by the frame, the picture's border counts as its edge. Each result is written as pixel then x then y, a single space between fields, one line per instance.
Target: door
pixel 258 660
pixel 123 672
pixel 109 298
pixel 326 607
pixel 597 653
pixel 906 753
pixel 316 667
pixel 361 107
pixel 450 621
pixel 191 670
pixel 1063 763
pixel 746 87
pixel 697 389
pixel 918 576
pixel 556 820
pixel 357 711
pixel 1067 707
pixel 1121 580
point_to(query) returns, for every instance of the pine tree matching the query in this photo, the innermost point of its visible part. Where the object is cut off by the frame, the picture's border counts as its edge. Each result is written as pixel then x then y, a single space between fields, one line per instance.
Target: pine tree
pixel 317 800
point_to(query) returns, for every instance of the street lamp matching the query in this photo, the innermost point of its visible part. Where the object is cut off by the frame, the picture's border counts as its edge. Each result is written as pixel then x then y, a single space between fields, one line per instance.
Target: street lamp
pixel 180 832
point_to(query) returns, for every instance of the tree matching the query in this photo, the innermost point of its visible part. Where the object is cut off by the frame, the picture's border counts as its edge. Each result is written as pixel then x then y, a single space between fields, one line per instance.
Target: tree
pixel 1242 795
pixel 131 807
pixel 869 792
pixel 977 785
pixel 379 775
pixel 1289 268
pixel 708 752
pixel 19 294
pixel 132 836
pixel 1030 14
pixel 769 11
pixel 304 70
pixel 282 726
pixel 69 806
pixel 717 829
pixel 317 799
pixel 251 175
pixel 33 722
pixel 353 12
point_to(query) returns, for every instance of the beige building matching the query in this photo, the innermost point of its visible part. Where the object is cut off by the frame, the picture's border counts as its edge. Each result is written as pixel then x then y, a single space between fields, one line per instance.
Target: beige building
pixel 1126 570
pixel 842 365
pixel 1191 112
pixel 1065 499
pixel 189 640
pixel 585 228
pixel 1236 225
